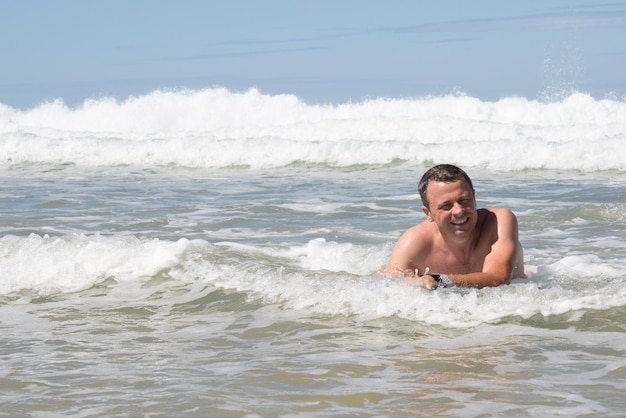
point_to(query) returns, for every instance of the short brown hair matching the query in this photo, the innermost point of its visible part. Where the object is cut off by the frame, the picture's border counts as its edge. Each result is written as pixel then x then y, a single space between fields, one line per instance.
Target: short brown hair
pixel 446 173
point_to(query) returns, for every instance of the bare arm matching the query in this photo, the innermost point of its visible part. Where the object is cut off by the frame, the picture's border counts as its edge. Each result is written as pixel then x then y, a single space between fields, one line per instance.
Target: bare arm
pixel 404 254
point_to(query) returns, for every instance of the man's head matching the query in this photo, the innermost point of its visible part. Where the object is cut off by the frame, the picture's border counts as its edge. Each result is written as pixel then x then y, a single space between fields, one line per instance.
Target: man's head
pixel 446 173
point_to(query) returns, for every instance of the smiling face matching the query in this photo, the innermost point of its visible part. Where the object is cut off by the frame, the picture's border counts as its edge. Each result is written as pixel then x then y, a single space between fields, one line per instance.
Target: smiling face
pixel 452 206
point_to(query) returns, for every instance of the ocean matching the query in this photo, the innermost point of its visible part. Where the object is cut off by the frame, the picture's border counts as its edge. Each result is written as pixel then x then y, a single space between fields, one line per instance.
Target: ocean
pixel 213 253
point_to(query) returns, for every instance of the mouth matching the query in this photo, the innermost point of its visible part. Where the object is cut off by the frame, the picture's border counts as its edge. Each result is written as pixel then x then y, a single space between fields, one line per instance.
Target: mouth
pixel 460 221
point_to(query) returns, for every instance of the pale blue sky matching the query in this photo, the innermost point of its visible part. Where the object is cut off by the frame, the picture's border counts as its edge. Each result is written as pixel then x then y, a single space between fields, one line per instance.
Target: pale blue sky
pixel 321 50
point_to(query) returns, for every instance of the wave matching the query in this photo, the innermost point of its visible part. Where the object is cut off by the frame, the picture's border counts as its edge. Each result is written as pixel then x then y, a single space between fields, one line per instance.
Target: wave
pixel 216 128
pixel 319 277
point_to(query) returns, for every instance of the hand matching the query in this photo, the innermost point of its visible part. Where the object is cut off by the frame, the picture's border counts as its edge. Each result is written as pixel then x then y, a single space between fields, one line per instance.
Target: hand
pixel 427 282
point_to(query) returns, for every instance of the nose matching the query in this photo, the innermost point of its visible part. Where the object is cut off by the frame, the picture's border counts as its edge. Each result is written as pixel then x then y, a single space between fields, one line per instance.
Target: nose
pixel 457 208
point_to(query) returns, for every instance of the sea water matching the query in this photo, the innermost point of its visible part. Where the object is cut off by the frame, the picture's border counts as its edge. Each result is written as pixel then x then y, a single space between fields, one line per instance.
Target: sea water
pixel 213 253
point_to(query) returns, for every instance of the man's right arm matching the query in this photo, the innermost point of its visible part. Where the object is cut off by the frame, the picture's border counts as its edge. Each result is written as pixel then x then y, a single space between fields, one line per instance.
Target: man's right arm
pixel 404 255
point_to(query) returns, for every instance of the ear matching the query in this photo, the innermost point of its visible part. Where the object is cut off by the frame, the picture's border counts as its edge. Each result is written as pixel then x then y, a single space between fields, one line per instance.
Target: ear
pixel 427 213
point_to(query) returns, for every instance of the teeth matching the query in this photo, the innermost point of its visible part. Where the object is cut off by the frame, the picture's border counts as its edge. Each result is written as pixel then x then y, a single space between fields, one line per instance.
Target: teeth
pixel 459 222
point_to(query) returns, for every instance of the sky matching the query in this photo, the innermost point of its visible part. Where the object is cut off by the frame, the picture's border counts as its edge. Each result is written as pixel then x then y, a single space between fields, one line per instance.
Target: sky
pixel 323 51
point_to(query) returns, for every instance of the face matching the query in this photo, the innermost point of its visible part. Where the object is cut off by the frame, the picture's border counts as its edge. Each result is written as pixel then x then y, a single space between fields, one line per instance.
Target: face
pixel 452 206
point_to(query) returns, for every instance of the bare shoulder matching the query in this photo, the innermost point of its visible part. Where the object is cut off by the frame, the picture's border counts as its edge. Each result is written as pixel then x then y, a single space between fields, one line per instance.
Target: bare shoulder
pixel 410 248
pixel 506 212
pixel 422 232
pixel 420 238
pixel 497 215
pixel 501 221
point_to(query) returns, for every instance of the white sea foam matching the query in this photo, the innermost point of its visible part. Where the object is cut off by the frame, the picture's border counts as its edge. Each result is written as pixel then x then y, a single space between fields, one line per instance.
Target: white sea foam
pixel 320 276
pixel 48 265
pixel 219 128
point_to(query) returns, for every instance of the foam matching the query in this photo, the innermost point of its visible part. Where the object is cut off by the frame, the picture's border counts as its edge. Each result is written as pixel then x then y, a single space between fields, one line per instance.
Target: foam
pixel 219 128
pixel 322 277
pixel 71 263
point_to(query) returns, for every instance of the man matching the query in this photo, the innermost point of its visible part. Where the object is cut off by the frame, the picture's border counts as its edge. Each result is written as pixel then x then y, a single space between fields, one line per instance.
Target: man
pixel 457 244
